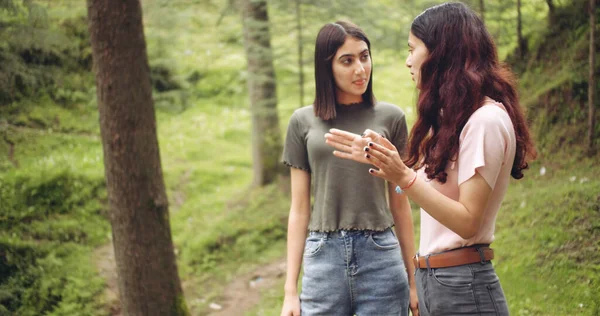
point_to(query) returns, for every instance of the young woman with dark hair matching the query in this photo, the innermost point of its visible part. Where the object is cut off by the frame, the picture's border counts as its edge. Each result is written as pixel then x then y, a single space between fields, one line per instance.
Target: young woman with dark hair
pixel 353 261
pixel 469 138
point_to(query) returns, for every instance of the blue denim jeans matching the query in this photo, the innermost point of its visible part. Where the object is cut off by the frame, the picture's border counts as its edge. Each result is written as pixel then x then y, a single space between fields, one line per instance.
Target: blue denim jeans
pixel 471 289
pixel 353 273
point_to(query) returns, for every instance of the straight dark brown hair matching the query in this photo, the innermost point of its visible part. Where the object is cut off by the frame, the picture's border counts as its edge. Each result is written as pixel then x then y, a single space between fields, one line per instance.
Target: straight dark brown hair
pixel 331 37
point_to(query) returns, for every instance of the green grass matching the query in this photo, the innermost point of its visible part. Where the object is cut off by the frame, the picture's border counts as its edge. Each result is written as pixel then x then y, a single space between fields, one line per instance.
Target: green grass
pixel 548 239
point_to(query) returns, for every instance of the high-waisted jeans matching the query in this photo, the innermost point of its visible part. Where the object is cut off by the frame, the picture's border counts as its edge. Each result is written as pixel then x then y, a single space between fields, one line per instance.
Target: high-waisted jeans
pixel 353 273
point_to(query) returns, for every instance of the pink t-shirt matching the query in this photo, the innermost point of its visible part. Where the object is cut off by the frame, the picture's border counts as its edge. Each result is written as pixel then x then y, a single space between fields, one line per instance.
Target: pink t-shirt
pixel 487 145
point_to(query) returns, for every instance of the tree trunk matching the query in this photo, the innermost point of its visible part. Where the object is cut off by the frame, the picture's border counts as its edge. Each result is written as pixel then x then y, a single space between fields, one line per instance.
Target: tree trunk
pixel 482 10
pixel 139 213
pixel 550 12
pixel 266 139
pixel 300 47
pixel 521 41
pixel 592 79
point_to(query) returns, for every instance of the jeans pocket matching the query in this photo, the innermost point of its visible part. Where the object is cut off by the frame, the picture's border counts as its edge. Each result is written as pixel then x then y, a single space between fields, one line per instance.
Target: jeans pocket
pixel 384 240
pixel 497 298
pixel 312 246
pixel 460 276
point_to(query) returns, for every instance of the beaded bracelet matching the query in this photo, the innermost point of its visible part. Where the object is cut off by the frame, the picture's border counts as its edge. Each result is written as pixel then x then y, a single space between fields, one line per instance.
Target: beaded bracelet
pixel 400 190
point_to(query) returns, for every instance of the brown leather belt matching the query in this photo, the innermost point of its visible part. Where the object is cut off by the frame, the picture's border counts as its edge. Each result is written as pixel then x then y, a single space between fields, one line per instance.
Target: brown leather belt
pixel 455 257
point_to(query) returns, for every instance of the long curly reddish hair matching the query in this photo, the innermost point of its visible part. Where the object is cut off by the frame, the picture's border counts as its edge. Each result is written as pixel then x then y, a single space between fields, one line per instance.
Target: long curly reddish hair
pixel 461 70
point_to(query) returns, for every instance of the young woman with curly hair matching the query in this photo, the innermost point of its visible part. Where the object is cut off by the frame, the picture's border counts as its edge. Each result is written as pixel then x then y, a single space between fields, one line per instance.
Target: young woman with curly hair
pixel 469 138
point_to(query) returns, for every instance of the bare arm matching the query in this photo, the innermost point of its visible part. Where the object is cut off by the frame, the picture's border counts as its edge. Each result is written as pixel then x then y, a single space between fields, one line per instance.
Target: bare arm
pixel 462 217
pixel 297 228
pixel 400 208
pixel 404 228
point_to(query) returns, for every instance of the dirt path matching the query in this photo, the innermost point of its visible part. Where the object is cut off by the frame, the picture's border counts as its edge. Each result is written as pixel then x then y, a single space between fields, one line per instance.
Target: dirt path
pixel 241 295
pixel 244 292
pixel 105 263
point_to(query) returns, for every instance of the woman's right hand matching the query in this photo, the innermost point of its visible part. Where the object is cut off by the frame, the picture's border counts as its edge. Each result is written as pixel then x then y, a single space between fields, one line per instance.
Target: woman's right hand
pixel 291 305
pixel 414 300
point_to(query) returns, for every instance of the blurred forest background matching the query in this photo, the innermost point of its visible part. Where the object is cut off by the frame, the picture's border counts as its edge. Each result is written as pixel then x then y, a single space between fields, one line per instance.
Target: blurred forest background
pixel 228 220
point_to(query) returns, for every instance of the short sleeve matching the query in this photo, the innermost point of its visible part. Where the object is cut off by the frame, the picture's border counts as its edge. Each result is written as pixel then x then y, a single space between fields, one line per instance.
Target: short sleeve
pixel 295 153
pixel 483 146
pixel 400 135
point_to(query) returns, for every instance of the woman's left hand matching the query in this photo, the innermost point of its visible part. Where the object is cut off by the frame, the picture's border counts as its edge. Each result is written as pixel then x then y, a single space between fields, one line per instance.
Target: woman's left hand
pixel 388 161
pixel 385 156
pixel 348 145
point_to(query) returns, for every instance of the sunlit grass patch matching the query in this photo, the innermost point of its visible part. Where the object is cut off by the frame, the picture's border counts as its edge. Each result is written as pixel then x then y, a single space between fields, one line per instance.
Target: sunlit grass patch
pixel 548 240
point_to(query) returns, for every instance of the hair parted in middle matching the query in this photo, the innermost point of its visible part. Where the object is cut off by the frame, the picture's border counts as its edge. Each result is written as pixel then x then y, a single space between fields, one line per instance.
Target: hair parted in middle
pixel 331 37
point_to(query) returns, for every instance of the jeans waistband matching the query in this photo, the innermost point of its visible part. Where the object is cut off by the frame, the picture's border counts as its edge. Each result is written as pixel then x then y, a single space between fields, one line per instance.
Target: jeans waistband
pixel 346 232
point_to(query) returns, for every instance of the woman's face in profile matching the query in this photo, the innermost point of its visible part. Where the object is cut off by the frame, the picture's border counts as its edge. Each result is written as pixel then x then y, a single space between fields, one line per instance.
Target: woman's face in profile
pixel 417 54
pixel 351 68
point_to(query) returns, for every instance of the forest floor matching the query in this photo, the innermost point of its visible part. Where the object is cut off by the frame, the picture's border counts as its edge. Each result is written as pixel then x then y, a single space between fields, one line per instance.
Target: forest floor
pixel 244 293
pixel 241 294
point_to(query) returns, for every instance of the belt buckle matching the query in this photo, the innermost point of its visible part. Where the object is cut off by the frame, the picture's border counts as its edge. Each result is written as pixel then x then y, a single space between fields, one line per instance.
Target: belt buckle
pixel 416 261
pixel 481 255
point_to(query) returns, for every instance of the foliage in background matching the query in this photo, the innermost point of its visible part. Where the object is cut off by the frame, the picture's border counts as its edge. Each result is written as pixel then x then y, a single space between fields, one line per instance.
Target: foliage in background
pixel 49 222
pixel 547 236
pixel 554 78
pixel 38 54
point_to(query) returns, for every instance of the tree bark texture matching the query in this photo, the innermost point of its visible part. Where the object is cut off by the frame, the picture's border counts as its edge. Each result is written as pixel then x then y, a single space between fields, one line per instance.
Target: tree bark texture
pixel 482 10
pixel 300 48
pixel 266 136
pixel 551 12
pixel 592 79
pixel 139 214
pixel 521 41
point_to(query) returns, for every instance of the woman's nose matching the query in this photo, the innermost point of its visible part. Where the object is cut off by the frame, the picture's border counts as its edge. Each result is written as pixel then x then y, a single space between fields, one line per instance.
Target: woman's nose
pixel 359 68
